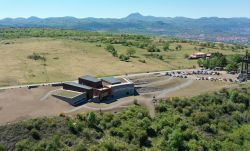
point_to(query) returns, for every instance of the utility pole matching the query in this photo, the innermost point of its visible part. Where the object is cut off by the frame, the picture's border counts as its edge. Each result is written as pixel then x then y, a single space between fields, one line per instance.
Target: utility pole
pixel 245 75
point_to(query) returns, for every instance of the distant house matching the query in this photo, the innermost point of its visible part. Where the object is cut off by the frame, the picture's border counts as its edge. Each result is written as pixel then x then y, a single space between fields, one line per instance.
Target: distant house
pixel 199 55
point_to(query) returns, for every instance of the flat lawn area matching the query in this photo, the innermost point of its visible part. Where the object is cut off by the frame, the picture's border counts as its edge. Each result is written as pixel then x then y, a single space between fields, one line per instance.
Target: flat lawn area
pixel 68 59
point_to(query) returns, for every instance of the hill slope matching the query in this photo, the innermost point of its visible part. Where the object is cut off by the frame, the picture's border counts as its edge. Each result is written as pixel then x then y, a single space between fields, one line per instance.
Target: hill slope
pixel 210 29
pixel 200 123
pixel 37 55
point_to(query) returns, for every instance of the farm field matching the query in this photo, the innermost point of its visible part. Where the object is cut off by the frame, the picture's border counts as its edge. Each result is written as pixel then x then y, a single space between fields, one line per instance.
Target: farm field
pixel 67 59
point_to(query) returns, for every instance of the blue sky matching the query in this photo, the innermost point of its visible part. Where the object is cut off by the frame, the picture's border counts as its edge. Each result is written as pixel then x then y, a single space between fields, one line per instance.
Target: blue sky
pixel 121 8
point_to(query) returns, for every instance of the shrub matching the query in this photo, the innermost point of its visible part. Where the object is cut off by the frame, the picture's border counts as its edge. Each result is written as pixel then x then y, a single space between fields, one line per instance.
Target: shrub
pixel 72 126
pixel 123 57
pixel 186 56
pixel 2 147
pixel 153 48
pixel 200 117
pixel 166 47
pixel 37 56
pixel 91 119
pixel 62 115
pixel 35 134
pixel 157 56
pixel 23 145
pixel 80 147
pixel 209 128
pixel 142 61
pixel 80 117
pixel 131 52
pixel 112 50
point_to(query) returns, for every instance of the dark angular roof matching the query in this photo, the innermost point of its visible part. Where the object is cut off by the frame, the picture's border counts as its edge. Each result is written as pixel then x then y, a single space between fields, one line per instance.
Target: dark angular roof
pixel 90 78
pixel 111 80
pixel 78 85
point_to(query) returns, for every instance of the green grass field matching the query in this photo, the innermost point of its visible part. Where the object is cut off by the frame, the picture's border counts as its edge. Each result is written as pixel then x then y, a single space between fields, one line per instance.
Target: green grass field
pixel 68 59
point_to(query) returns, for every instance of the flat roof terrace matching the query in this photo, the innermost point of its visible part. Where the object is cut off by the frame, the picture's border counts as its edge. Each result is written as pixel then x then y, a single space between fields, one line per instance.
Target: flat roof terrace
pixel 111 80
pixel 68 93
pixel 78 85
pixel 90 78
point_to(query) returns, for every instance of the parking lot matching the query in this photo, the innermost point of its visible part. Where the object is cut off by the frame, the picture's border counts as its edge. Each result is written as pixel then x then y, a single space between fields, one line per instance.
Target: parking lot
pixel 202 74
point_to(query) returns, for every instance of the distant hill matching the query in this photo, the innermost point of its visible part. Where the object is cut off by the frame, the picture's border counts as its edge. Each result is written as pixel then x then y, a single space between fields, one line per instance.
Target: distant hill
pixel 232 30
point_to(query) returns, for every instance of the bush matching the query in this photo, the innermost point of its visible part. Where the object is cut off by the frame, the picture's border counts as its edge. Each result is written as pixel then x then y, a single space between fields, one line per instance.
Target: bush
pixel 23 145
pixel 209 128
pixel 80 147
pixel 200 118
pixel 124 58
pixel 178 47
pixel 91 119
pixel 153 48
pixel 131 52
pixel 37 56
pixel 112 50
pixel 62 115
pixel 157 56
pixel 142 61
pixel 80 117
pixel 74 127
pixel 166 47
pixel 186 56
pixel 35 134
pixel 2 147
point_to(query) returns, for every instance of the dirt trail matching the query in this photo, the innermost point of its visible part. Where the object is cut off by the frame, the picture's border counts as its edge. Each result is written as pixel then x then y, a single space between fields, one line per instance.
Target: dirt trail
pixel 156 83
pixel 163 93
pixel 45 97
pixel 123 104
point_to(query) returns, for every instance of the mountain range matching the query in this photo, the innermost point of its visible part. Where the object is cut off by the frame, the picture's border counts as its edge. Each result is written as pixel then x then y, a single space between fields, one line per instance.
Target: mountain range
pixel 231 30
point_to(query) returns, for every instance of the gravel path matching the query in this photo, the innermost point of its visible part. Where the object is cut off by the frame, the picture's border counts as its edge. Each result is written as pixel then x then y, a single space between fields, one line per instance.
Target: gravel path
pixel 48 94
pixel 162 94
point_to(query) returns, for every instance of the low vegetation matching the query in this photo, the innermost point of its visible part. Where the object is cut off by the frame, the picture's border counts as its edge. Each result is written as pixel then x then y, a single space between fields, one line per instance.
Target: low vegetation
pixel 31 55
pixel 217 121
pixel 37 56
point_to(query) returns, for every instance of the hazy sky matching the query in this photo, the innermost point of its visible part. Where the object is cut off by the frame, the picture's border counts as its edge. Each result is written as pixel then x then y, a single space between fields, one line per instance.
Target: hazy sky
pixel 121 8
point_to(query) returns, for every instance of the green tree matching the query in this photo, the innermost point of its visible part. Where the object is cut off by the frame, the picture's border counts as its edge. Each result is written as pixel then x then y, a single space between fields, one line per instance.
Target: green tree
pixel 110 48
pixel 80 147
pixel 176 140
pixel 221 45
pixel 153 48
pixel 166 47
pixel 131 52
pixel 123 57
pixel 91 118
pixel 178 47
pixel 2 147
pixel 23 145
